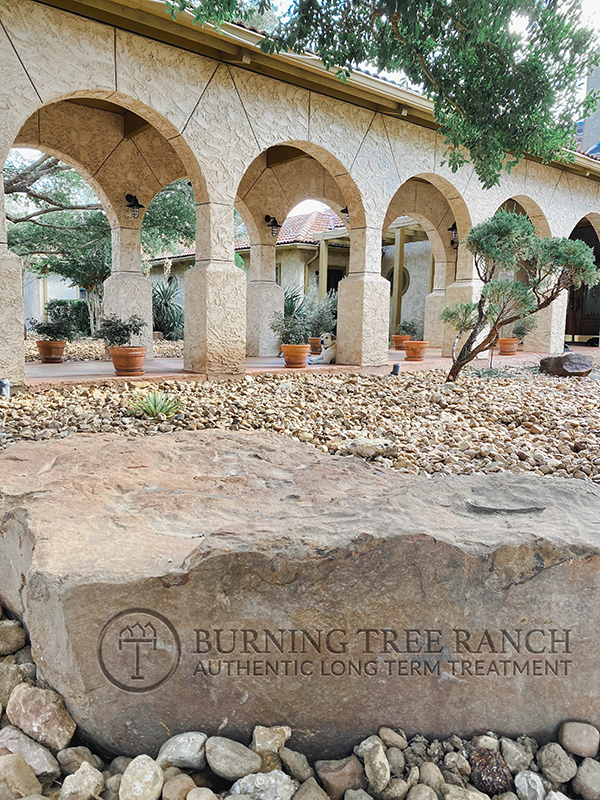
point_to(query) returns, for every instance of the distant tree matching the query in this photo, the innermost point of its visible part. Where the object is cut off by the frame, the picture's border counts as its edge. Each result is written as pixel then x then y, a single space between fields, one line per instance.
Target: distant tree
pixel 502 74
pixel 541 268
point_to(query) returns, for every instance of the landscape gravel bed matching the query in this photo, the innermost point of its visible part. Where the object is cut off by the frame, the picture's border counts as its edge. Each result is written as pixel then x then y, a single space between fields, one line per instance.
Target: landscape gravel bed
pixel 516 421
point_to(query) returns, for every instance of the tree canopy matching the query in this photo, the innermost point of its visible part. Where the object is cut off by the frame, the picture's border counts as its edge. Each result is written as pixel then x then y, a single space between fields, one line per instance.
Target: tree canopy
pixel 503 74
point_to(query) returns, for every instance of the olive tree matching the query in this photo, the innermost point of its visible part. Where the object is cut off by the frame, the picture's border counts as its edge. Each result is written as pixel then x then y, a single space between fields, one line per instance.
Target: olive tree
pixel 520 275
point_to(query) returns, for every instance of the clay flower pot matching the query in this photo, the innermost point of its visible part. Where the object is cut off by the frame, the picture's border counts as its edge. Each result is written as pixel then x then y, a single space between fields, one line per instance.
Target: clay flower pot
pixel 295 355
pixel 315 345
pixel 51 352
pixel 398 339
pixel 415 350
pixel 507 347
pixel 128 360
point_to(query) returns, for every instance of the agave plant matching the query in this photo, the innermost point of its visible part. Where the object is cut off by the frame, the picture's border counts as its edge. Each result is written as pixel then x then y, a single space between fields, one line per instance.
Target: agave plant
pixel 167 313
pixel 156 404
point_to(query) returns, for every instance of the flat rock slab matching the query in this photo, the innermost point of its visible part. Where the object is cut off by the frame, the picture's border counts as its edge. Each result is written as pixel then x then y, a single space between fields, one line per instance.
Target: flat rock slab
pixel 209 581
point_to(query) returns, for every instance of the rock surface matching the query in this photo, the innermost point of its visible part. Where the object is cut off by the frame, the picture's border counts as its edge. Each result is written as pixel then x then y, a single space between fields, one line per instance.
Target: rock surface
pixel 567 365
pixel 587 781
pixel 85 784
pixel 340 775
pixel 231 760
pixel 12 636
pixel 556 765
pixel 142 780
pixel 185 750
pixel 17 779
pixel 268 537
pixel 41 760
pixel 41 714
pixel 274 785
pixel 529 786
pixel 579 738
pixel 296 764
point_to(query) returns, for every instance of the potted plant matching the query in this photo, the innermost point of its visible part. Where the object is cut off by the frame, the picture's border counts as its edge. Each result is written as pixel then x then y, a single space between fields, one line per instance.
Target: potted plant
pixel 320 316
pixel 127 358
pixel 405 331
pixel 415 346
pixel 293 335
pixel 520 329
pixel 53 338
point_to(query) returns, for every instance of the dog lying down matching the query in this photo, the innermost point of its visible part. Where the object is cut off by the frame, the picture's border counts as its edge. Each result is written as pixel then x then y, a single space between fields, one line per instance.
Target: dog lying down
pixel 328 350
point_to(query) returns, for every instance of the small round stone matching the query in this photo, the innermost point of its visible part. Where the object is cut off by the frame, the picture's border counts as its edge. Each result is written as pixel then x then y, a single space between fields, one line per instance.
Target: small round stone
pixel 231 760
pixel 579 738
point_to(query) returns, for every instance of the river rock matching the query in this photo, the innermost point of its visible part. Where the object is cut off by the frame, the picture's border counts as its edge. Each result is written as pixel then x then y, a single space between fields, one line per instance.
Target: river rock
pixel 579 738
pixel 12 636
pixel 41 714
pixel 567 365
pixel 397 789
pixel 177 788
pixel 267 742
pixel 369 448
pixel 377 767
pixel 339 776
pixel 556 765
pixel 396 761
pixel 392 738
pixel 249 617
pixel 111 787
pixel 186 750
pixel 529 786
pixel 142 780
pixel 274 785
pixel 587 781
pixel 41 760
pixel 556 796
pixel 430 775
pixel 119 764
pixel 296 764
pixel 11 676
pixel 517 756
pixel 231 760
pixel 457 763
pixel 71 758
pixel 202 793
pixel 356 794
pixel 17 779
pixel 422 792
pixel 84 784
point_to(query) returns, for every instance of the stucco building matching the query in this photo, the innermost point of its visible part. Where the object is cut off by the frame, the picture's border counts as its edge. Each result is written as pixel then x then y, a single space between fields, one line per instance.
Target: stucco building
pixel 134 100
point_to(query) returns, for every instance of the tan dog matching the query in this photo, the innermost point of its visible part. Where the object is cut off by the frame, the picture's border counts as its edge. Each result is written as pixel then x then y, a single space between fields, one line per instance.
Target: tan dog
pixel 328 350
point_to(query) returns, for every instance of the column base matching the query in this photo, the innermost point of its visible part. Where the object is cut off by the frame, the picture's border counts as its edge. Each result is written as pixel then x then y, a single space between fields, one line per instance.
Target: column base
pixel 363 320
pixel 12 341
pixel 263 299
pixel 215 319
pixel 435 303
pixel 126 294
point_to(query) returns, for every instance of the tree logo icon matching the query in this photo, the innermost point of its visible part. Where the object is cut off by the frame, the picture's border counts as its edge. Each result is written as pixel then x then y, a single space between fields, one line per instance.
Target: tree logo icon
pixel 138 650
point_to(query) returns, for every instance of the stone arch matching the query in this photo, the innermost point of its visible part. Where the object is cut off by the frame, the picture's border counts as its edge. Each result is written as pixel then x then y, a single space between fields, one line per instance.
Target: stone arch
pixel 583 310
pixel 523 204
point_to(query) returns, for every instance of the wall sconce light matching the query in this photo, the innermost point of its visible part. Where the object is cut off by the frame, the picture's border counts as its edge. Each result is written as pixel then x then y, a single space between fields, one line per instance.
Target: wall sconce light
pixel 454 231
pixel 134 204
pixel 273 224
pixel 347 213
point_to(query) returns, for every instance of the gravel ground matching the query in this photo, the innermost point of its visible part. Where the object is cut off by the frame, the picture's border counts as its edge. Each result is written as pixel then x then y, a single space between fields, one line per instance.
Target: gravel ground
pixel 95 350
pixel 520 421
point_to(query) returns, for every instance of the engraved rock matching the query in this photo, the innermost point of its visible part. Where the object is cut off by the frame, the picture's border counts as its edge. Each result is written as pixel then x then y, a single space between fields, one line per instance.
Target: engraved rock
pixel 274 785
pixel 41 714
pixel 579 738
pixel 186 750
pixel 231 760
pixel 310 790
pixel 556 765
pixel 71 758
pixel 12 636
pixel 41 760
pixel 84 784
pixel 517 756
pixel 339 776
pixel 17 779
pixel 285 633
pixel 567 365
pixel 529 786
pixel 296 764
pixel 587 781
pixel 177 788
pixel 142 780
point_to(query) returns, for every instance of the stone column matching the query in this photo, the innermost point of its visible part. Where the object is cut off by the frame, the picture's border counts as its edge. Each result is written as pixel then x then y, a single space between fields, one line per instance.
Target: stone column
pixel 399 235
pixel 323 267
pixel 464 288
pixel 12 342
pixel 364 304
pixel 215 298
pixel 435 302
pixel 263 299
pixel 126 290
pixel 549 336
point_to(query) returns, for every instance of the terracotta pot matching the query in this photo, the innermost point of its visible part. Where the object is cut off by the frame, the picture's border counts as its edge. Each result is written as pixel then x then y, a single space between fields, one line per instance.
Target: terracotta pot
pixel 51 352
pixel 415 350
pixel 507 347
pixel 128 360
pixel 398 339
pixel 295 355
pixel 315 345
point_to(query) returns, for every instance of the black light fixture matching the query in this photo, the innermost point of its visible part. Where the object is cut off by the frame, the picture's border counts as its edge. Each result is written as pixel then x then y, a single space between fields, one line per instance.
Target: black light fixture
pixel 454 231
pixel 134 204
pixel 347 213
pixel 273 224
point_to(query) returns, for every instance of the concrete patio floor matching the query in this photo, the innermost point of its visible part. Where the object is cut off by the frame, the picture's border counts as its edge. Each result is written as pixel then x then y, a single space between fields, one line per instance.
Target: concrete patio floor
pixel 45 375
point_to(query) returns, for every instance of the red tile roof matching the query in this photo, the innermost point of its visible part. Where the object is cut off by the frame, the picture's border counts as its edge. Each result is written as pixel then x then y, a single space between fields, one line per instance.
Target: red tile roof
pixel 300 228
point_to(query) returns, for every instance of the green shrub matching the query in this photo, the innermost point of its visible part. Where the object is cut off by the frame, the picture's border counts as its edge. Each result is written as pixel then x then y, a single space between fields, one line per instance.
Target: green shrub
pixel 118 332
pixel 321 314
pixel 167 312
pixel 74 310
pixel 410 328
pixel 523 327
pixel 57 331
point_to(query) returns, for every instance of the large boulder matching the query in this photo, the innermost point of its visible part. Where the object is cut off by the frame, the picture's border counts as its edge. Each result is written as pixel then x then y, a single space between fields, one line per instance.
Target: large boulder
pixel 568 365
pixel 212 580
